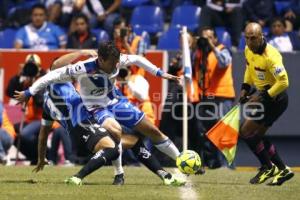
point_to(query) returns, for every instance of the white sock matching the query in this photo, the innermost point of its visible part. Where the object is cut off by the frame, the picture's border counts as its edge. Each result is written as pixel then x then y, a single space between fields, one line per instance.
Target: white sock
pixel 168 148
pixel 118 162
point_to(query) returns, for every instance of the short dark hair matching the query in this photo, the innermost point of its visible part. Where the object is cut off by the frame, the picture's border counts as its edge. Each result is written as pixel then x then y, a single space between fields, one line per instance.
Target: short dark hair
pixel 108 50
pixel 81 16
pixel 205 28
pixel 278 19
pixel 38 6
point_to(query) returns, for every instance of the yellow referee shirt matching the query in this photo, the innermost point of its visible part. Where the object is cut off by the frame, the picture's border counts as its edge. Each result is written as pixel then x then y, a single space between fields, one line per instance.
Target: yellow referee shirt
pixel 266 69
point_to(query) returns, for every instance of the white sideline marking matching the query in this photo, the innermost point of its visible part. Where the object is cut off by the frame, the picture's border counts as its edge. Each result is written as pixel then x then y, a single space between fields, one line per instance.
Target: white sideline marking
pixel 186 192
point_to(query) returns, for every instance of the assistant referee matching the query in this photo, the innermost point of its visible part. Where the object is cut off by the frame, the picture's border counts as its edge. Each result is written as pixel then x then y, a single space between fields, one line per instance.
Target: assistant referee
pixel 266 73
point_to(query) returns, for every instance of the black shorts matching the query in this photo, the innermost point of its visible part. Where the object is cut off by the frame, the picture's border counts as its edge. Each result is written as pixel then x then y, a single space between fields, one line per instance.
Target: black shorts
pixel 272 110
pixel 87 136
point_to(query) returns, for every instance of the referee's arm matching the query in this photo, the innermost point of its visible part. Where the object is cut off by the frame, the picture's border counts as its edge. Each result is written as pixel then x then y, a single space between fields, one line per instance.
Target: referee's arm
pixel 280 74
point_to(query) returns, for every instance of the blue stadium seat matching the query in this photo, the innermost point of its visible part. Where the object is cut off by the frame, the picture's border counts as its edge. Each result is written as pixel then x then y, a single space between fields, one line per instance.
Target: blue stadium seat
pixel 242 42
pixel 280 6
pixel 186 15
pixel 147 18
pixel 102 35
pixel 169 40
pixel 223 36
pixel 7 38
pixel 133 3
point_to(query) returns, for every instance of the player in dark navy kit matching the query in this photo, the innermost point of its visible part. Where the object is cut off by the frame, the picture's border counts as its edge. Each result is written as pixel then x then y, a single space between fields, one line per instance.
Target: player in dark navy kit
pixel 63 104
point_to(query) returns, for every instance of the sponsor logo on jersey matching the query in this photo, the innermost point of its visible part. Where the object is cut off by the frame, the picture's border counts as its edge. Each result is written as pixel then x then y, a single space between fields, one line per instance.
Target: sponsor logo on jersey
pixel 278 70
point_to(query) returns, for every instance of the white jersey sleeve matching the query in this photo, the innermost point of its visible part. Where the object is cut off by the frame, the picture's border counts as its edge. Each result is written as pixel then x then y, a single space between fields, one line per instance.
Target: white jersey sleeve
pixel 126 60
pixel 64 74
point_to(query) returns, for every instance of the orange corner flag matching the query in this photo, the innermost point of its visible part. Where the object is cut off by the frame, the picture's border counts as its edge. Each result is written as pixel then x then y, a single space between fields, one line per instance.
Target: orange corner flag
pixel 224 134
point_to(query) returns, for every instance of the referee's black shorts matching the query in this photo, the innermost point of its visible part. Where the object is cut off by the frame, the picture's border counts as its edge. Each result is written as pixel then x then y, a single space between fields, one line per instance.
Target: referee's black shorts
pixel 86 136
pixel 272 110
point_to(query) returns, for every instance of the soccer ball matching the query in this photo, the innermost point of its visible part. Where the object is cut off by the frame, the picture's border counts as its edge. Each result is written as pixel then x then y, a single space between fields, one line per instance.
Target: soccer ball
pixel 188 162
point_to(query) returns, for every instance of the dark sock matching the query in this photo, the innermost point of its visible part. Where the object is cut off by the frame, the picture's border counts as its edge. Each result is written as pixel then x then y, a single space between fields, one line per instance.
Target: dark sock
pixel 256 145
pixel 98 160
pixel 149 160
pixel 275 158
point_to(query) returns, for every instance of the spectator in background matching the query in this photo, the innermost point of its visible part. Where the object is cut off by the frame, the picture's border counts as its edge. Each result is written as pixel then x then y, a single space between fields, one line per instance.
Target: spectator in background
pixel 30 72
pixel 62 11
pixel 82 37
pixel 292 15
pixel 282 40
pixel 40 34
pixel 126 40
pixel 213 89
pixel 260 11
pixel 110 12
pixel 224 13
pixel 7 134
pixel 100 12
pixel 28 135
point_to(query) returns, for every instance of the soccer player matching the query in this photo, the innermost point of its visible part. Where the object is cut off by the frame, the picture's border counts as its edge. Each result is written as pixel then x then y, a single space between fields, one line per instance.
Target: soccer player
pixel 264 71
pixel 96 77
pixel 63 104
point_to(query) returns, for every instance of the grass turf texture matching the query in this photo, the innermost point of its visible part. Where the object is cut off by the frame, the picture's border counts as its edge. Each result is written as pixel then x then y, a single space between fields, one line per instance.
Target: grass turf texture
pixel 21 183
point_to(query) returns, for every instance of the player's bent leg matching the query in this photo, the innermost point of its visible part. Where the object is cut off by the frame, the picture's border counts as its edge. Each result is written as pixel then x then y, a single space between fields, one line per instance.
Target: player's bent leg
pixel 151 162
pixel 113 127
pixel 128 141
pixel 105 150
pixel 160 140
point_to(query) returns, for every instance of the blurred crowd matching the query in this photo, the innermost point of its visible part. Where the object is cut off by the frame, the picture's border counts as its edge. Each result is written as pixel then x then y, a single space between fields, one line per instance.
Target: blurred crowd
pixel 54 24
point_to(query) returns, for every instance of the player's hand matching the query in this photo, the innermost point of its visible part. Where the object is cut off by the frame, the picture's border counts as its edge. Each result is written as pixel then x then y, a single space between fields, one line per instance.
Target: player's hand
pixel 89 53
pixel 40 166
pixel 171 77
pixel 21 97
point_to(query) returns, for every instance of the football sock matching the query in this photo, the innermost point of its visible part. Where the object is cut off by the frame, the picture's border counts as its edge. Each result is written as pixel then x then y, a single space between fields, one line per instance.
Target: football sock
pixel 168 148
pixel 149 160
pixel 275 158
pixel 118 169
pixel 97 161
pixel 256 145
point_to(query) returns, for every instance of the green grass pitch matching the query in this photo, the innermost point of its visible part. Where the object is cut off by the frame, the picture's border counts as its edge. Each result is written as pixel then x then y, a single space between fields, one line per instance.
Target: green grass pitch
pixel 20 183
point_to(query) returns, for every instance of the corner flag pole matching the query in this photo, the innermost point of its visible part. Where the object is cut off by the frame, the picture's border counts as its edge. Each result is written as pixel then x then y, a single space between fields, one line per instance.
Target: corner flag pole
pixel 187 66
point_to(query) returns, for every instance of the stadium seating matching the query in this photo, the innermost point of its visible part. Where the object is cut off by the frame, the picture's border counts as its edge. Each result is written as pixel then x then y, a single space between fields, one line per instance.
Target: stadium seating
pixel 7 38
pixel 223 36
pixel 242 42
pixel 169 40
pixel 133 3
pixel 101 35
pixel 147 18
pixel 280 6
pixel 186 15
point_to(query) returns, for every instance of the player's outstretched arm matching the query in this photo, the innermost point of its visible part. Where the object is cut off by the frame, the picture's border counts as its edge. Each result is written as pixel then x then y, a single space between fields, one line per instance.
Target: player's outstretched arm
pixel 64 74
pixel 42 147
pixel 126 60
pixel 71 57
